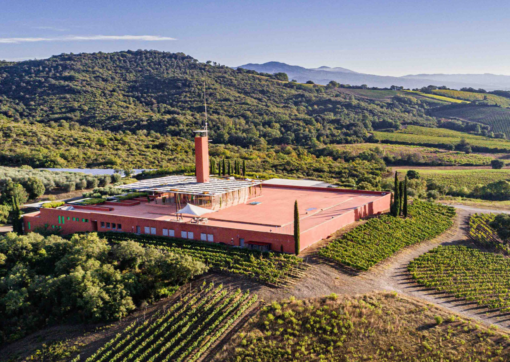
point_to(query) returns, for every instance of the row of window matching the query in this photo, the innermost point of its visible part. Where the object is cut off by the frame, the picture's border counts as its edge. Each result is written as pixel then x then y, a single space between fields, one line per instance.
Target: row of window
pixel 184 234
pixel 113 226
pixel 62 219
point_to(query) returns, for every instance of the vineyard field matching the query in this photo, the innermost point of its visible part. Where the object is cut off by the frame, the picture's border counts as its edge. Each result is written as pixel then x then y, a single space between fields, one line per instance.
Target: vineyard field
pixel 472 96
pixel 467 273
pixel 420 155
pixel 497 118
pixel 380 238
pixel 432 137
pixel 437 97
pixel 376 327
pixel 270 268
pixel 463 178
pixel 182 332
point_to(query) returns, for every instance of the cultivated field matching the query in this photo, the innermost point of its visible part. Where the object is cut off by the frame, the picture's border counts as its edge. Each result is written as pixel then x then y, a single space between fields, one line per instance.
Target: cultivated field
pixel 468 273
pixel 496 117
pixel 375 327
pixel 380 238
pixel 440 137
pixel 463 178
pixel 404 154
pixel 471 96
pixel 436 97
pixel 182 332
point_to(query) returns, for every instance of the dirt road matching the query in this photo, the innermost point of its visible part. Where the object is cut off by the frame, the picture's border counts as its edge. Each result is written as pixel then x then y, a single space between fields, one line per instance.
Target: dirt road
pixel 391 275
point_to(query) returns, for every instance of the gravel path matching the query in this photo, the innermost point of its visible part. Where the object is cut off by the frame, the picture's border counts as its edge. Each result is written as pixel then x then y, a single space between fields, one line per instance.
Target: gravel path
pixel 391 275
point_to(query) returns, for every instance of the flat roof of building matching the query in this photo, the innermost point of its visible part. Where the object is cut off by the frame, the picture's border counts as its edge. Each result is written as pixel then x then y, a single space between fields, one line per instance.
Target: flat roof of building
pixel 273 211
pixel 189 185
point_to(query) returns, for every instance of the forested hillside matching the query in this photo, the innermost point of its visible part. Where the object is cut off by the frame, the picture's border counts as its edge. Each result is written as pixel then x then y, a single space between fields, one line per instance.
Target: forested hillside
pixel 151 90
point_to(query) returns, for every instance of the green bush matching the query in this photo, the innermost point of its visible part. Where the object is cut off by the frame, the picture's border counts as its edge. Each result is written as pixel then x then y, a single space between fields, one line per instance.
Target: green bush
pixel 92 201
pixel 52 205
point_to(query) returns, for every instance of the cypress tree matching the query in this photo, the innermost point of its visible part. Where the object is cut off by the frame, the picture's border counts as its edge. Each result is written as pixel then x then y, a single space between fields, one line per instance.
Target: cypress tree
pixel 244 167
pixel 401 193
pixel 229 168
pixel 396 199
pixel 224 168
pixel 17 224
pixel 297 233
pixel 405 197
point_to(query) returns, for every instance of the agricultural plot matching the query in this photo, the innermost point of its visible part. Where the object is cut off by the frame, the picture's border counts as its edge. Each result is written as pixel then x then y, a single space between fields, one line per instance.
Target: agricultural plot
pixel 467 273
pixel 183 332
pixel 270 268
pixel 380 238
pixel 497 118
pixel 420 155
pixel 375 94
pixel 437 97
pixel 472 96
pixel 463 178
pixel 439 137
pixel 377 327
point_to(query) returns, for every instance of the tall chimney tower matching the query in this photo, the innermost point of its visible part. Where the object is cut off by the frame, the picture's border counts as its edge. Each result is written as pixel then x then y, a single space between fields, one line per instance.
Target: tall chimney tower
pixel 202 156
pixel 202 149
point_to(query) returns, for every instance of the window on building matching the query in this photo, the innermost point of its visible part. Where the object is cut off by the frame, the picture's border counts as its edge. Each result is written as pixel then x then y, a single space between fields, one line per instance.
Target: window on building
pixel 74 219
pixel 190 235
pixel 153 231
pixel 147 230
pixel 203 237
pixel 165 232
pixel 85 220
pixel 171 232
pixel 210 237
pixel 114 226
pixel 184 234
pixel 68 218
pixel 102 223
pixel 107 225
pixel 119 227
pixel 29 225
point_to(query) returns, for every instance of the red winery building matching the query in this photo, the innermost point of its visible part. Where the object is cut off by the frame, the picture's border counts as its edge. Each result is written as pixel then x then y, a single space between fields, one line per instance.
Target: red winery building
pixel 240 213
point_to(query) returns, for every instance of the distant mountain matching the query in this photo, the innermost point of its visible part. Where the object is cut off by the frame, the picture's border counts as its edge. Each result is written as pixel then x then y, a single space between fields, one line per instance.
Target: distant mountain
pixel 324 74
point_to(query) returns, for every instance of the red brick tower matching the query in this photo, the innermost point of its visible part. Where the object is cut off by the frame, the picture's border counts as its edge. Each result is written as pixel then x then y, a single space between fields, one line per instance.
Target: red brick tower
pixel 202 156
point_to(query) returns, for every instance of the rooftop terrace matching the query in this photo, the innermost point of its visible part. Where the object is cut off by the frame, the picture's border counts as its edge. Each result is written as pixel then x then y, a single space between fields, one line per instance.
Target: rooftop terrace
pixel 274 211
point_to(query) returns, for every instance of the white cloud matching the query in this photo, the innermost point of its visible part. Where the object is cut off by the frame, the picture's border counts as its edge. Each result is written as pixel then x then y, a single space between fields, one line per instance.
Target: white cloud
pixel 86 38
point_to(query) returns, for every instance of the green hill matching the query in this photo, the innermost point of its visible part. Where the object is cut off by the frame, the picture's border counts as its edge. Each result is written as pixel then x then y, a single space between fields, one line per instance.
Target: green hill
pixel 159 91
pixel 497 118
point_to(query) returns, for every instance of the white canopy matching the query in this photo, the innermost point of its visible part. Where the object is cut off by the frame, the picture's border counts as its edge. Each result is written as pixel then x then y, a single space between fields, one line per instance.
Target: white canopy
pixel 194 210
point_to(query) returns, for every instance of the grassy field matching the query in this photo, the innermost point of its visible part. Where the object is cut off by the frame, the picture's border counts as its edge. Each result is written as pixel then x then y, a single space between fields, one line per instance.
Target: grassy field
pixel 416 135
pixel 471 96
pixel 436 97
pixel 421 155
pixel 380 327
pixel 497 118
pixel 463 178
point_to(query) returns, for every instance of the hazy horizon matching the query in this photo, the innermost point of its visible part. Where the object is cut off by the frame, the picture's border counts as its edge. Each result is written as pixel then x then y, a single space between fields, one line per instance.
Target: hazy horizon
pixel 393 38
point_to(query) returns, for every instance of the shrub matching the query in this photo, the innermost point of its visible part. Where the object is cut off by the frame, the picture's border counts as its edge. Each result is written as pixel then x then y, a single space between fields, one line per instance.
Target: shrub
pixel 497 164
pixel 35 187
pixel 93 201
pixel 116 177
pixel 70 186
pixel 438 319
pixel 52 205
pixel 433 194
pixel 413 174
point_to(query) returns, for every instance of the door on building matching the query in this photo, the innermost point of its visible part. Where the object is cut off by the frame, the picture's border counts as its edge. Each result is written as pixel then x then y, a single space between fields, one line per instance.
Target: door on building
pixel 138 230
pixel 94 225
pixel 241 242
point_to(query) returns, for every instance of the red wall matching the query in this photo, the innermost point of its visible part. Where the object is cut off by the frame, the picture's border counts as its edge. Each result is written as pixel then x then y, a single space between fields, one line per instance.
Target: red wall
pixel 330 226
pixel 129 224
pixel 279 242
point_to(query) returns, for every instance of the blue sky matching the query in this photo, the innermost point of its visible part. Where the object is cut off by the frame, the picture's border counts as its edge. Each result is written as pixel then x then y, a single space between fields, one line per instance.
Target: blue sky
pixel 377 37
